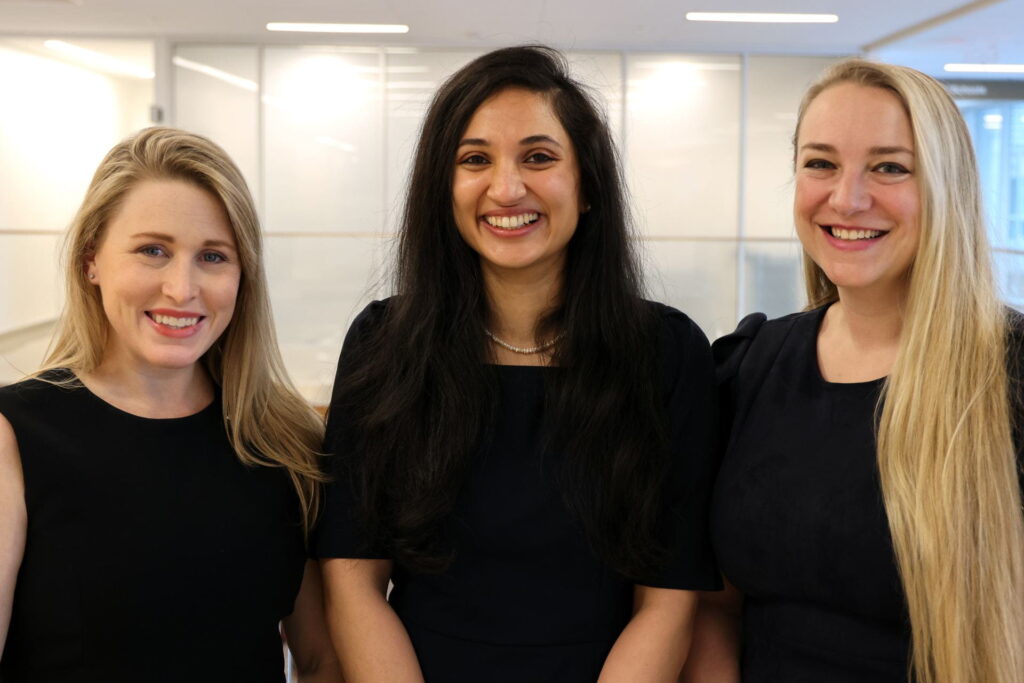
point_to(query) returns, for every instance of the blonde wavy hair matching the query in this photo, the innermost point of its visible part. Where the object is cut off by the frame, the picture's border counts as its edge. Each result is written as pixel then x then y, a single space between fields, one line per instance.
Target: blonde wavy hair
pixel 944 434
pixel 267 422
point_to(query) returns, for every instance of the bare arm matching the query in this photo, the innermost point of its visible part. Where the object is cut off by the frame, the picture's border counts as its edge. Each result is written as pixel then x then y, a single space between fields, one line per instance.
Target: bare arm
pixel 368 636
pixel 306 631
pixel 715 652
pixel 653 646
pixel 13 523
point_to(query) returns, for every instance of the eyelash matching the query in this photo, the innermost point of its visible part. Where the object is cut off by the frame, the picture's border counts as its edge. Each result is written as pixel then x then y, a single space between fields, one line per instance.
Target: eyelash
pixel 150 248
pixel 534 158
pixel 155 250
pixel 895 169
pixel 898 169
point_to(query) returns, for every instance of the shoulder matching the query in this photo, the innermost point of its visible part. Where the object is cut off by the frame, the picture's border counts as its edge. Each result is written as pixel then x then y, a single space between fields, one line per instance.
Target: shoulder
pixel 367 322
pixel 1014 331
pixel 683 347
pixel 676 326
pixel 35 390
pixel 755 332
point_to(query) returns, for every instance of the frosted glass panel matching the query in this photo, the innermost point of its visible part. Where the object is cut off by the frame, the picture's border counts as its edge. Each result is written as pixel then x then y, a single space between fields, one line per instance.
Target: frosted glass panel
pixel 682 138
pixel 1009 269
pixel 322 138
pixel 601 72
pixel 216 93
pixel 775 86
pixel 698 278
pixel 412 79
pixel 317 286
pixel 773 278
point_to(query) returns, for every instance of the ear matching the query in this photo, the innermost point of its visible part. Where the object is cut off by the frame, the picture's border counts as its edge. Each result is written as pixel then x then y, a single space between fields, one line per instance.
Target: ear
pixel 89 267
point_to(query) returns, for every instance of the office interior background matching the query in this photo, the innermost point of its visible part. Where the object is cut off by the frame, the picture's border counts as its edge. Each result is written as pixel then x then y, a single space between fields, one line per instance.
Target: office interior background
pixel 323 125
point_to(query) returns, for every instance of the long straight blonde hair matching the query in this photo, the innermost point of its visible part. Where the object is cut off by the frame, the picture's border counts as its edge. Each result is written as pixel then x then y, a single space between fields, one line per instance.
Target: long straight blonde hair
pixel 945 450
pixel 267 422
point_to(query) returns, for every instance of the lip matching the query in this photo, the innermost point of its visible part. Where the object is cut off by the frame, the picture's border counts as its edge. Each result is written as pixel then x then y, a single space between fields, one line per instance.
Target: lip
pixel 175 332
pixel 850 245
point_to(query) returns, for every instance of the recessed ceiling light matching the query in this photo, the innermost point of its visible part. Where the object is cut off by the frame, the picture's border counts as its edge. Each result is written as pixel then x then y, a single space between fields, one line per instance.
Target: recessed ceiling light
pixel 986 68
pixel 763 17
pixel 337 28
pixel 99 60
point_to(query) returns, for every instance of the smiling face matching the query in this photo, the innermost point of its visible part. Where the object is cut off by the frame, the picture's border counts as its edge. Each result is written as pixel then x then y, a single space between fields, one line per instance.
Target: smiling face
pixel 857 203
pixel 515 191
pixel 168 273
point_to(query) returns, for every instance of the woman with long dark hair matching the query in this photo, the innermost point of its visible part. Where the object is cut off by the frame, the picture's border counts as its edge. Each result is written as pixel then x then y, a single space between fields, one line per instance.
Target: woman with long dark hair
pixel 521 444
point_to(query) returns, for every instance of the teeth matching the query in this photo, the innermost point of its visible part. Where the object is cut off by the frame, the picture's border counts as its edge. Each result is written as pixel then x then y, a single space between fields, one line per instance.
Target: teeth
pixel 172 321
pixel 844 234
pixel 511 222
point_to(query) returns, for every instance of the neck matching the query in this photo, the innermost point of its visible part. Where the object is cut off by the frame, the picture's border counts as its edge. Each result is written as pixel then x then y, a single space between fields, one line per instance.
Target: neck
pixel 859 338
pixel 151 392
pixel 518 302
pixel 870 318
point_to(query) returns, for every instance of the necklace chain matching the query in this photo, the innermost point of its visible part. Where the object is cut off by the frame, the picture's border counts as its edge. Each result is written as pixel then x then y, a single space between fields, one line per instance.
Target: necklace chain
pixel 525 350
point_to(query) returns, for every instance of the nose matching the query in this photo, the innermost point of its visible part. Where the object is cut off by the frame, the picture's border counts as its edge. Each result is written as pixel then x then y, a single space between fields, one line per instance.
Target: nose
pixel 507 186
pixel 181 281
pixel 850 194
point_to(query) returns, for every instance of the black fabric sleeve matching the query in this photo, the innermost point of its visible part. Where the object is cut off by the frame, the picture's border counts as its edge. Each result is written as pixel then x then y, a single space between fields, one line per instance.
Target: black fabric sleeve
pixel 338 531
pixel 1015 379
pixel 693 440
pixel 729 352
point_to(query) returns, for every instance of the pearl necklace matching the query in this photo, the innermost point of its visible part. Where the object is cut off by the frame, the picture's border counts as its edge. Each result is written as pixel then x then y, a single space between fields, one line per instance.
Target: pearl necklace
pixel 525 350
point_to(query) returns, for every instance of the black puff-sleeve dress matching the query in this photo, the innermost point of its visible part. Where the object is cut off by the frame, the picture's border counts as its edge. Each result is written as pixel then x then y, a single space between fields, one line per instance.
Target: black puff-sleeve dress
pixel 525 599
pixel 798 521
pixel 152 553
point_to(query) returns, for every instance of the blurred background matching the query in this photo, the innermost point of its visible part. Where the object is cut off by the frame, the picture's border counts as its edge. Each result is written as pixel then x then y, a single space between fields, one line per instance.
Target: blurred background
pixel 323 124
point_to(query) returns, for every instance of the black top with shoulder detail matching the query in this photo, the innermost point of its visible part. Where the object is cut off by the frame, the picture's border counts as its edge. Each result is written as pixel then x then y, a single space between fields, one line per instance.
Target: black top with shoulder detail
pixel 798 521
pixel 152 553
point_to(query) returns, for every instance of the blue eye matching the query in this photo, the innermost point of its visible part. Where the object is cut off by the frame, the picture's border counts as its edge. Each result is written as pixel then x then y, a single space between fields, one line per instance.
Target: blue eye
pixel 212 257
pixel 152 250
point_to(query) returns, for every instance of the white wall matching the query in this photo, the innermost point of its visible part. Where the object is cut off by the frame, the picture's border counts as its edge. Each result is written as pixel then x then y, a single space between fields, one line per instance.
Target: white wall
pixel 57 120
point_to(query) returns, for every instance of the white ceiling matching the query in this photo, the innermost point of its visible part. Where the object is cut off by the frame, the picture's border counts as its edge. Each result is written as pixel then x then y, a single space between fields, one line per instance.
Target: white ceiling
pixel 994 30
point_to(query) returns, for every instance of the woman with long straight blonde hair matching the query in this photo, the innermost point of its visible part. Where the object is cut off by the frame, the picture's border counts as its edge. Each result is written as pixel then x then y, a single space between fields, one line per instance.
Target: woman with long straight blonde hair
pixel 159 474
pixel 869 506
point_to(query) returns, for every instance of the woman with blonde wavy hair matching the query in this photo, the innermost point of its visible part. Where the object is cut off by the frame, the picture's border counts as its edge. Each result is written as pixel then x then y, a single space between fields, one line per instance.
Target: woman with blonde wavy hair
pixel 868 509
pixel 159 474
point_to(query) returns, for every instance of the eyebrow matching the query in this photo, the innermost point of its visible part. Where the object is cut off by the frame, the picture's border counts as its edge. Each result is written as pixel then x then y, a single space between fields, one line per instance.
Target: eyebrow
pixel 874 151
pixel 168 238
pixel 529 140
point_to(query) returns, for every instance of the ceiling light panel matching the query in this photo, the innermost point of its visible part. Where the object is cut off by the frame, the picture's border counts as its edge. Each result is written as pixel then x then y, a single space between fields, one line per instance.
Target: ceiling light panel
pixel 337 28
pixel 763 17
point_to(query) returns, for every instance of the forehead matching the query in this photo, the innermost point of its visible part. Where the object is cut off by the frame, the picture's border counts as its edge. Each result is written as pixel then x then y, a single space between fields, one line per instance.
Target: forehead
pixel 515 110
pixel 856 114
pixel 169 206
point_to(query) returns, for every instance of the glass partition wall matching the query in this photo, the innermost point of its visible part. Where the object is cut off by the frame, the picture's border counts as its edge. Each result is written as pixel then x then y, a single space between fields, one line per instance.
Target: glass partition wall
pixel 64 104
pixel 325 137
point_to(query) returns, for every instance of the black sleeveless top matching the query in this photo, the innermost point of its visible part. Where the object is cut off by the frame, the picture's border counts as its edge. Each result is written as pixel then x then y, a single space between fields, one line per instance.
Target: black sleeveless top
pixel 152 553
